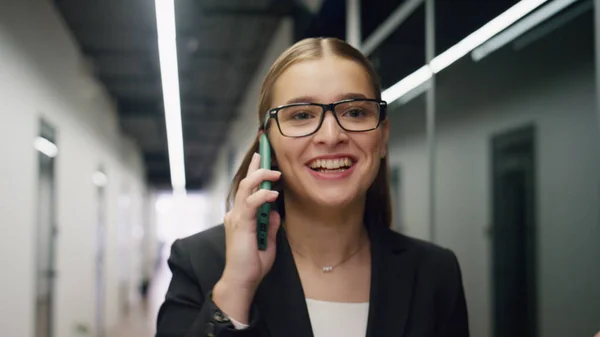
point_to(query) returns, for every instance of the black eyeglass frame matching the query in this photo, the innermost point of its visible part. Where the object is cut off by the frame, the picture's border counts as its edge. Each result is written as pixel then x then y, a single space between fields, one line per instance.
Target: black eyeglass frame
pixel 273 113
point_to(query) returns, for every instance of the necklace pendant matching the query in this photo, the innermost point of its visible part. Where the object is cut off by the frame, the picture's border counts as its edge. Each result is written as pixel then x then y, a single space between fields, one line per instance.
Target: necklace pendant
pixel 327 269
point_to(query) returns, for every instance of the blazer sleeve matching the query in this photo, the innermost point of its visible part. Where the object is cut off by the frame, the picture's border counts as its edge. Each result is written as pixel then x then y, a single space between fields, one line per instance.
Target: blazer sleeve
pixel 453 313
pixel 188 310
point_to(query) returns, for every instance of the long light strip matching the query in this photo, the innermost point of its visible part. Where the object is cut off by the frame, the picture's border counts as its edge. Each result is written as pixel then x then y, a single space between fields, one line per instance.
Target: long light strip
pixel 484 33
pixel 45 146
pixel 407 84
pixel 462 48
pixel 167 48
pixel 520 28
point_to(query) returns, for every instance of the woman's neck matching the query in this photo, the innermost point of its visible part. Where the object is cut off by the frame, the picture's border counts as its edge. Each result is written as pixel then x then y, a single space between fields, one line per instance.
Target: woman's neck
pixel 325 236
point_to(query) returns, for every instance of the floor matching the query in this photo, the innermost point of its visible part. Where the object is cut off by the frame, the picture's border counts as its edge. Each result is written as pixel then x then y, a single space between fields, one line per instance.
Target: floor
pixel 141 320
pixel 137 324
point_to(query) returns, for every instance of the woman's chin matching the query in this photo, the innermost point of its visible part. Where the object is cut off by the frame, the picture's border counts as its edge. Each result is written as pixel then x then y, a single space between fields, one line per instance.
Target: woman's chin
pixel 333 199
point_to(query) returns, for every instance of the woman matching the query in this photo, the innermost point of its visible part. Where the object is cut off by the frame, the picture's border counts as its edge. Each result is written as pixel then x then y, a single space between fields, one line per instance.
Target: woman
pixel 332 266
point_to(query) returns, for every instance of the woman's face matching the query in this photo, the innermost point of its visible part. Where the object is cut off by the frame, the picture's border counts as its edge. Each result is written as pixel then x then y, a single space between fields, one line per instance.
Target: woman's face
pixel 327 80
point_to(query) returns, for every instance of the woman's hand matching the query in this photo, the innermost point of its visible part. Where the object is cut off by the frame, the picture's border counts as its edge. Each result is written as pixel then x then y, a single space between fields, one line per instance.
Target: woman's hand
pixel 245 264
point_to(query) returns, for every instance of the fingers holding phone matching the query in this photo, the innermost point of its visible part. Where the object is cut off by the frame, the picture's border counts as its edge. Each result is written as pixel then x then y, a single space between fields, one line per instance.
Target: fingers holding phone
pixel 249 197
pixel 246 264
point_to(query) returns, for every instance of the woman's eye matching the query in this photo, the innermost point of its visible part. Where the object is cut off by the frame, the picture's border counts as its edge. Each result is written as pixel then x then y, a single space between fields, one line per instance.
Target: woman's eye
pixel 354 113
pixel 302 115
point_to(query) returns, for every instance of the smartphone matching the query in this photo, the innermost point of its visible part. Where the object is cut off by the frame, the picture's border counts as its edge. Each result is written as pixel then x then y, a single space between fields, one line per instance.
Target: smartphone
pixel 262 216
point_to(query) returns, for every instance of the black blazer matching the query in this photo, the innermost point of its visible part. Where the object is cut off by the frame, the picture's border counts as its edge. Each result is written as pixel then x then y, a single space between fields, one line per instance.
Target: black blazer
pixel 416 290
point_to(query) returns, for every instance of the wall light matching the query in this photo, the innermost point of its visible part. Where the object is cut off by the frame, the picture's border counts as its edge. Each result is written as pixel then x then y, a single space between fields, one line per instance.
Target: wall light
pixel 167 47
pixel 462 48
pixel 45 146
pixel 99 179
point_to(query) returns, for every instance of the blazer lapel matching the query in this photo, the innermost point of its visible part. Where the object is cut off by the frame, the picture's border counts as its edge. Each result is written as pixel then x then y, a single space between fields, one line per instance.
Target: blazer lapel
pixel 392 280
pixel 280 298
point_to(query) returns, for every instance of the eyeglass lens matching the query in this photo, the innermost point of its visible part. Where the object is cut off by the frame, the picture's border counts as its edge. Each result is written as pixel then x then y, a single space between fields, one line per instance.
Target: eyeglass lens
pixel 352 116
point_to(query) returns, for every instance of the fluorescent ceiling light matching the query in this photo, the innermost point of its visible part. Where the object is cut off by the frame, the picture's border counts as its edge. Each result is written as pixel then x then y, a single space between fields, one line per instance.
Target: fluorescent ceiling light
pixel 520 28
pixel 561 20
pixel 407 84
pixel 99 179
pixel 498 24
pixel 179 192
pixel 417 91
pixel 45 146
pixel 167 48
pixel 462 48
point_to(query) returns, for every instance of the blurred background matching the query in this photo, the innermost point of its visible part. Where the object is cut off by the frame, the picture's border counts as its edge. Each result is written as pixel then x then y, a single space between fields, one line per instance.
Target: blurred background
pixel 122 123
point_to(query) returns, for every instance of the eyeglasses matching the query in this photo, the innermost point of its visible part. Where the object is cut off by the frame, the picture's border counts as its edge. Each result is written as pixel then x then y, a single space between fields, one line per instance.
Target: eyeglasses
pixel 304 119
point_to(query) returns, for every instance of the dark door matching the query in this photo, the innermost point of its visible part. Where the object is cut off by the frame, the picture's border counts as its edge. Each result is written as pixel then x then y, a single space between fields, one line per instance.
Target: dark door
pixel 514 234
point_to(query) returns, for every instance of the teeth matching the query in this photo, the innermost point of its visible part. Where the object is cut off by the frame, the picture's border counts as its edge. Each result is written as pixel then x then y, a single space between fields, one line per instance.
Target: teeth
pixel 331 164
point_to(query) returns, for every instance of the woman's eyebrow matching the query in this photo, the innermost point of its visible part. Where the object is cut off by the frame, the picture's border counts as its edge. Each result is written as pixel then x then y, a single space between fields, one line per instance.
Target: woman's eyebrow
pixel 350 96
pixel 310 99
pixel 301 99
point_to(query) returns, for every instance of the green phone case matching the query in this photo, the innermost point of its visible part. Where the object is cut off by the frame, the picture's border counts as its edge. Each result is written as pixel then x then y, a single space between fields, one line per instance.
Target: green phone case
pixel 262 216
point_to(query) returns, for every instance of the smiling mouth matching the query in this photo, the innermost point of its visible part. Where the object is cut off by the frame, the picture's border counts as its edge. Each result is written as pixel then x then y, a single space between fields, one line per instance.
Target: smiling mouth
pixel 331 165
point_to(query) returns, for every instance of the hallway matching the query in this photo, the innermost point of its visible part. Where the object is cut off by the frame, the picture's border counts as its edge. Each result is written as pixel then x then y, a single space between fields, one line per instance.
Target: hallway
pixel 138 324
pixel 141 321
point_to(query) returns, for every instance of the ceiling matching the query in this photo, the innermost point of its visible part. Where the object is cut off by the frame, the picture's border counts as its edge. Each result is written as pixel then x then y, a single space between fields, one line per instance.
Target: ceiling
pixel 220 45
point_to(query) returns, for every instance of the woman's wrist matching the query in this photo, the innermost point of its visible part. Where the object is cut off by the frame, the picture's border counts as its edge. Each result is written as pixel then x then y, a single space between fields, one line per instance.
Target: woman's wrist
pixel 235 301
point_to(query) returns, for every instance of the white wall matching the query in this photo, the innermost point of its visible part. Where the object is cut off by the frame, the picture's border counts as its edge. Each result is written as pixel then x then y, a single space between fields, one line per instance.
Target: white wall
pixel 550 83
pixel 41 76
pixel 243 131
pixel 408 151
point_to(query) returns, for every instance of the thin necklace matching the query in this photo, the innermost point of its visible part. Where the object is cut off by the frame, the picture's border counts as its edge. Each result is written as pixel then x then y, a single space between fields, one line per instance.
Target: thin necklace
pixel 328 269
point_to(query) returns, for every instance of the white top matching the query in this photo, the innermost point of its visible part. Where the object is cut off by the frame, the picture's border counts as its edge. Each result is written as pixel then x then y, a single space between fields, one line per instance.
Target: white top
pixel 332 319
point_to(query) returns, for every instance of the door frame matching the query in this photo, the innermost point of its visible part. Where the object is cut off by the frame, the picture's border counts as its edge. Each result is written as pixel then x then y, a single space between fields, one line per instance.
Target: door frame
pixel 47 131
pixel 100 232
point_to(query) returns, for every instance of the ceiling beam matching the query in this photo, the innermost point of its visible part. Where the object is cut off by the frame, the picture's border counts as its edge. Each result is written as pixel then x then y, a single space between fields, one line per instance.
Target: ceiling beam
pixel 238 12
pixel 395 19
pixel 151 53
pixel 219 116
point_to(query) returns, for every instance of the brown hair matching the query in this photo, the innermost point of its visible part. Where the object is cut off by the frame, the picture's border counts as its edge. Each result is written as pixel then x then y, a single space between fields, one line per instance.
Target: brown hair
pixel 378 208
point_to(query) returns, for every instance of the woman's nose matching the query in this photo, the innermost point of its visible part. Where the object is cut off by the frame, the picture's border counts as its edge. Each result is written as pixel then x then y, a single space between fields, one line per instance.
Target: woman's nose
pixel 330 131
